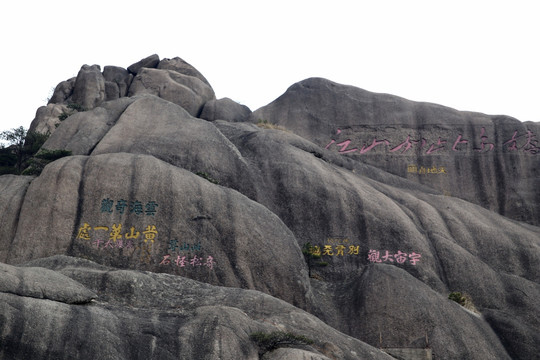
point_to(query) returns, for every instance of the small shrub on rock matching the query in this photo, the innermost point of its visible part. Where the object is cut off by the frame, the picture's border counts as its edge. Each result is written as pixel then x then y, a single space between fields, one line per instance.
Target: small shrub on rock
pixel 464 300
pixel 264 124
pixel 276 339
pixel 73 107
pixel 42 158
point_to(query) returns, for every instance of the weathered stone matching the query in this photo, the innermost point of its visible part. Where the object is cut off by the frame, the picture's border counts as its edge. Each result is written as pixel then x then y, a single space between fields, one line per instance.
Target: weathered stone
pixel 82 131
pixel 187 91
pixel 148 62
pixel 347 208
pixel 42 283
pixel 410 353
pixel 225 109
pixel 293 354
pixel 89 88
pixel 62 91
pixel 118 76
pixel 47 118
pixel 112 92
pixel 141 315
pixel 223 227
pixel 487 160
pixel 12 191
pixel 399 311
pixel 181 67
pixel 179 139
pixel 393 243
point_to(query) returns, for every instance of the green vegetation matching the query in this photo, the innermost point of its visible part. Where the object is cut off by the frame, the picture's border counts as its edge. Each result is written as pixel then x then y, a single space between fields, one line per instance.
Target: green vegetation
pixel 42 158
pixel 23 155
pixel 276 339
pixel 22 145
pixel 464 300
pixel 74 108
pixel 206 176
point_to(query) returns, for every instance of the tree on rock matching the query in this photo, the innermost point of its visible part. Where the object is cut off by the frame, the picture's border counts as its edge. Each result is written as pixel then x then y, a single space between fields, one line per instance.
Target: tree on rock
pixel 22 145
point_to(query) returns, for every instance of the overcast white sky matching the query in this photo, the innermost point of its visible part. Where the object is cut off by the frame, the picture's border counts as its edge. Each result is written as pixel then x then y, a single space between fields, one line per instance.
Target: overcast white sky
pixel 470 55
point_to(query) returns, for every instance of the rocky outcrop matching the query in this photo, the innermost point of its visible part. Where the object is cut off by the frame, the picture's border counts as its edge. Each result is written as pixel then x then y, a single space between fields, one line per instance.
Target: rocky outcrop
pixel 89 88
pixel 180 66
pixel 63 91
pixel 488 160
pixel 117 81
pixel 184 90
pixel 40 283
pixel 151 62
pixel 364 210
pixel 174 80
pixel 144 315
pixel 225 109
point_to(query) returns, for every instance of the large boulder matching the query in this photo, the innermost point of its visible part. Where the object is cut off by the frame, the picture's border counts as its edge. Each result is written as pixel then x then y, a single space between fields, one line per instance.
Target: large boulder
pixel 187 91
pixel 143 315
pixel 176 222
pixel 117 81
pixel 40 283
pixel 398 311
pixel 225 109
pixel 488 160
pixel 359 215
pixel 89 88
pixel 12 191
pixel 62 91
pixel 174 136
pixel 148 62
pixel 47 118
pixel 82 131
pixel 180 66
pixel 354 206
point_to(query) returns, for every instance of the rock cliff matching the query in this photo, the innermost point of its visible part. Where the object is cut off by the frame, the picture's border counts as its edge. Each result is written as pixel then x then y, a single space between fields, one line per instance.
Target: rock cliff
pixel 181 225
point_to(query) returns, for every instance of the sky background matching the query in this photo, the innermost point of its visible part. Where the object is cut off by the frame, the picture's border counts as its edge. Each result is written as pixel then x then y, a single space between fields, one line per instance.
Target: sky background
pixel 470 55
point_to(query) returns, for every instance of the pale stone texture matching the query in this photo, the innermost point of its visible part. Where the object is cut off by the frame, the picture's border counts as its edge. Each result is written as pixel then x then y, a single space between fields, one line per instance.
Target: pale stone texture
pixel 144 315
pixel 504 179
pixel 225 109
pixel 89 88
pixel 252 198
pixel 187 91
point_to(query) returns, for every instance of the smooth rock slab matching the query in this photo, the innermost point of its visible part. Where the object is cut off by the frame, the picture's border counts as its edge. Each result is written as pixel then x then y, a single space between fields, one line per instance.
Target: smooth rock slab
pixel 42 283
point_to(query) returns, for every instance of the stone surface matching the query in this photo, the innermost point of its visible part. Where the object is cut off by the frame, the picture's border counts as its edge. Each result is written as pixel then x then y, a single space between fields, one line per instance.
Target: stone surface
pixel 392 133
pixel 178 138
pixel 180 66
pixel 47 118
pixel 12 191
pixel 148 62
pixel 226 226
pixel 225 109
pixel 293 354
pixel 118 80
pixel 62 91
pixel 143 315
pixel 89 88
pixel 40 283
pixel 151 188
pixel 184 90
pixel 82 131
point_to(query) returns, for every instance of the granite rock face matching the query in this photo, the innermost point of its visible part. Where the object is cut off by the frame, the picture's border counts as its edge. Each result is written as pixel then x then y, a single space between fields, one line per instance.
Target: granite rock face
pixel 187 91
pixel 488 160
pixel 225 109
pixel 333 213
pixel 145 315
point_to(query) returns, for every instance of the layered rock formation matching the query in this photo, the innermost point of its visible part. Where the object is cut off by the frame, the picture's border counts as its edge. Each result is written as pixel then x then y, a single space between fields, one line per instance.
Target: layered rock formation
pixel 187 223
